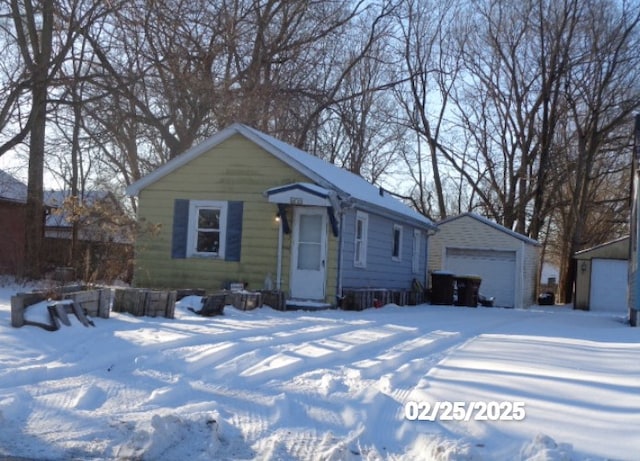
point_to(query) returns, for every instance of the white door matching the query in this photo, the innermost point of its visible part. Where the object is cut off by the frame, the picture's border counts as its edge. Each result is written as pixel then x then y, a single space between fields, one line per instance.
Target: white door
pixel 496 268
pixel 608 291
pixel 308 255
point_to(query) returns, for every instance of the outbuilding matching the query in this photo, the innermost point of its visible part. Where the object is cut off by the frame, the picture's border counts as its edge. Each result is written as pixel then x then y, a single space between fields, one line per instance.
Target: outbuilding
pixel 506 261
pixel 602 274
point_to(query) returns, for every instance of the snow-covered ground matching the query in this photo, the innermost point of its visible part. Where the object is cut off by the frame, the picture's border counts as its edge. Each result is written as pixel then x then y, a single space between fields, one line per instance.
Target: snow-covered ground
pixel 327 385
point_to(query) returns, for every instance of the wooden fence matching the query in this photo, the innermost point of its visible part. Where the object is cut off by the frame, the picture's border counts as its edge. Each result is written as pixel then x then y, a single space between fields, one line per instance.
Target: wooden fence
pixel 95 302
pixel 363 298
pixel 139 302
pixel 98 302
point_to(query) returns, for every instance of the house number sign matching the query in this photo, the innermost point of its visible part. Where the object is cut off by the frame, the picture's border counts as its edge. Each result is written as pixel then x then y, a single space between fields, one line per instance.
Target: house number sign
pixel 296 201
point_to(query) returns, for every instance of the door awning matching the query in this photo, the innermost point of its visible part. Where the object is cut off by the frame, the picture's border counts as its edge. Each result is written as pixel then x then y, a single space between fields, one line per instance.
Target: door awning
pixel 300 194
pixel 305 194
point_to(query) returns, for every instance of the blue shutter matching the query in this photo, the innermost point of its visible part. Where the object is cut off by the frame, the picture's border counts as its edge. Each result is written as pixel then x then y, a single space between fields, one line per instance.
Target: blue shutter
pixel 180 229
pixel 234 231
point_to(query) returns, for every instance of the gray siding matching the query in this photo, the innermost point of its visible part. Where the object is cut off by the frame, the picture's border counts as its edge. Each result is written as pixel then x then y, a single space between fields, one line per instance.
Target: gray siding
pixel 381 270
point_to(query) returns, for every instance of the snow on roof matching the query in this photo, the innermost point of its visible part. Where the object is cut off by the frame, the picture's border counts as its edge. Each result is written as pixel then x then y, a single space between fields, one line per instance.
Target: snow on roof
pixel 12 189
pixel 493 224
pixel 346 184
pixel 306 186
pixel 602 245
pixel 56 198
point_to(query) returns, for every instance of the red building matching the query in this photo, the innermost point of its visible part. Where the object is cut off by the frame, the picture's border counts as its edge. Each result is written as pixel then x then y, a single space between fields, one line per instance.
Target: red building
pixel 13 198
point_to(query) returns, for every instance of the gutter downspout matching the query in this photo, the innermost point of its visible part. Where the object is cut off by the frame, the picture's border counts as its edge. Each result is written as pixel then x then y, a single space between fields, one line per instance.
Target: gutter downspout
pixel 340 253
pixel 523 258
pixel 342 205
pixel 427 276
pixel 279 268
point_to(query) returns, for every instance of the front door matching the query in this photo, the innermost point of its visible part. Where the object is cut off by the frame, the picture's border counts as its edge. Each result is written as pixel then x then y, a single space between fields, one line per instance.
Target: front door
pixel 308 255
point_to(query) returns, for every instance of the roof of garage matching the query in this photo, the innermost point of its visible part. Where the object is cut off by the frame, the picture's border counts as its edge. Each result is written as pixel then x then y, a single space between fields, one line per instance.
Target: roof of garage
pixel 492 224
pixel 614 249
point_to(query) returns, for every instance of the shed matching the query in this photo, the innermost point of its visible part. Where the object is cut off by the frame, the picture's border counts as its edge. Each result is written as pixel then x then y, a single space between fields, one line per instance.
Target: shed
pixel 506 261
pixel 602 277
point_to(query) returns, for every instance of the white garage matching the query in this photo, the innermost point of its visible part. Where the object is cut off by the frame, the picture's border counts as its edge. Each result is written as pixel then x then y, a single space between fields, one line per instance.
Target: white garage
pixel 507 262
pixel 496 268
pixel 609 285
pixel 602 277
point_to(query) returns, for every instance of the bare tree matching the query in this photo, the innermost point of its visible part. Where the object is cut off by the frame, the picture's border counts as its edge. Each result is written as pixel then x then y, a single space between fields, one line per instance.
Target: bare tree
pixel 180 70
pixel 38 35
pixel 359 132
pixel 33 26
pixel 432 64
pixel 509 103
pixel 602 95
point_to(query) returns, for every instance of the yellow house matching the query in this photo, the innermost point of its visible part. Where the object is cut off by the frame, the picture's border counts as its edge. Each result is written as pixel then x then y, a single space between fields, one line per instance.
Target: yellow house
pixel 245 207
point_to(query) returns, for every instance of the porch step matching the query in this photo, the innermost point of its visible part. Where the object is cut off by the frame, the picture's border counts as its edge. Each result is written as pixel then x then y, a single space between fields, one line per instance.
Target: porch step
pixel 300 304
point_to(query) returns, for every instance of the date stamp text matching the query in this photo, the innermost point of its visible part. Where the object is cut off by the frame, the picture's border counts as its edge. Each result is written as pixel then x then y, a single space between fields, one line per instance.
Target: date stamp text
pixel 464 411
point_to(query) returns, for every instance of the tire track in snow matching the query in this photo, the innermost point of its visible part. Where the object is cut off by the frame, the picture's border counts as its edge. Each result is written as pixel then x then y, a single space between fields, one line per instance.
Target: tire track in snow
pixel 292 358
pixel 254 334
pixel 390 345
pixel 93 383
pixel 408 382
pixel 387 379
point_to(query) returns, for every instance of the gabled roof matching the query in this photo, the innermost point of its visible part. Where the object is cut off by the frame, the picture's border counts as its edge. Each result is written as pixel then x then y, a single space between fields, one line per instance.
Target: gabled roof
pixel 347 185
pixel 490 223
pixel 12 189
pixel 622 243
pixel 312 194
pixel 56 198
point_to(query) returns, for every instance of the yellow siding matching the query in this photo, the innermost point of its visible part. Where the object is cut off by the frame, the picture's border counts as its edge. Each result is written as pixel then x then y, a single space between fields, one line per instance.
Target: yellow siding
pixel 236 169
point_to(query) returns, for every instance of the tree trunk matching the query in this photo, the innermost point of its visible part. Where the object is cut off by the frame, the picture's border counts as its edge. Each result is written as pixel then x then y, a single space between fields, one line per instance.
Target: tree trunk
pixel 40 45
pixel 35 213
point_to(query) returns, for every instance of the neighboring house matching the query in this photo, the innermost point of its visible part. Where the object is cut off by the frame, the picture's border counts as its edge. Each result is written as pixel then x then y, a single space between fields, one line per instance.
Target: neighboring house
pixel 602 275
pixel 13 197
pixel 245 207
pixel 103 232
pixel 99 217
pixel 507 262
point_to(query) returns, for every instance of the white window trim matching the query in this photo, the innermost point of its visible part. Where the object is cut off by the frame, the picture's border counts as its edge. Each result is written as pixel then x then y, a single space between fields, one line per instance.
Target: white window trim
pixel 192 240
pixel 396 227
pixel 360 260
pixel 417 248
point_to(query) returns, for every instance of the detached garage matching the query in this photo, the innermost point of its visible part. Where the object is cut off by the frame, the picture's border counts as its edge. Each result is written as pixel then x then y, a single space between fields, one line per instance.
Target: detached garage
pixel 602 277
pixel 506 261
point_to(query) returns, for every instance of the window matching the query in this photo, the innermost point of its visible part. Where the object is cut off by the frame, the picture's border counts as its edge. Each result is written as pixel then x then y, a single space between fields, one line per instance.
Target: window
pixel 360 240
pixel 415 263
pixel 396 254
pixel 207 226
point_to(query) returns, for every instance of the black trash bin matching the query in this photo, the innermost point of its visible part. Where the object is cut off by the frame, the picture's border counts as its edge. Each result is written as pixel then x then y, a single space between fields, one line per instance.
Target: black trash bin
pixel 442 287
pixel 468 287
pixel 548 298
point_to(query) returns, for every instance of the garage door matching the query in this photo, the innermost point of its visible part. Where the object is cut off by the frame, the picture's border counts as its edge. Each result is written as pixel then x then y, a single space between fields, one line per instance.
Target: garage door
pixel 496 268
pixel 608 291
